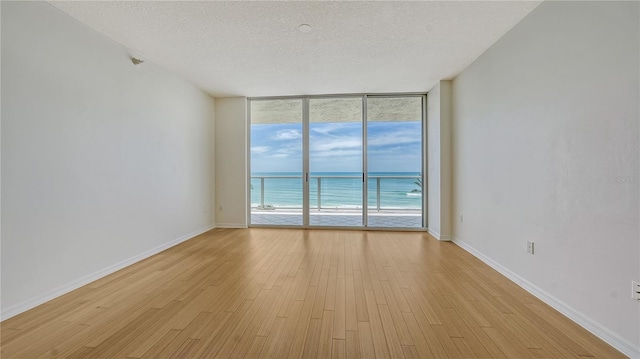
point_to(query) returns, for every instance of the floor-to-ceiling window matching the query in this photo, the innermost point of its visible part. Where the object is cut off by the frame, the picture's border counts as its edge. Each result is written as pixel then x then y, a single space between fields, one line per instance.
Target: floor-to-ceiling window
pixel 337 161
pixel 394 161
pixel 277 162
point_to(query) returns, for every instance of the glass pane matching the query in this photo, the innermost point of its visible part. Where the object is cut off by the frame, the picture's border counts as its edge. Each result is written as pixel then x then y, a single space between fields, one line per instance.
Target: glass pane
pixel 394 161
pixel 335 162
pixel 276 162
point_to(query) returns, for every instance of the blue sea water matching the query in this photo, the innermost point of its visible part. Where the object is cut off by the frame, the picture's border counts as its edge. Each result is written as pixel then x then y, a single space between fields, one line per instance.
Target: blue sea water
pixel 337 190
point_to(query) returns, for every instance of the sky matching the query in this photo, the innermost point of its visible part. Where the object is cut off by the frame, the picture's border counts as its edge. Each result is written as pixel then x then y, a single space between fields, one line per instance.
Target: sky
pixel 337 147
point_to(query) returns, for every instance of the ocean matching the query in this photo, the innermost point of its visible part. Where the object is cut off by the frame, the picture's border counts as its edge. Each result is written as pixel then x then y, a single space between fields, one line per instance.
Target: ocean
pixel 337 190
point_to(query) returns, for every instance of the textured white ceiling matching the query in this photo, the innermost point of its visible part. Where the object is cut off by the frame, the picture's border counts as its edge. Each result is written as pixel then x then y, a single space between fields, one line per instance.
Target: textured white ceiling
pixel 255 48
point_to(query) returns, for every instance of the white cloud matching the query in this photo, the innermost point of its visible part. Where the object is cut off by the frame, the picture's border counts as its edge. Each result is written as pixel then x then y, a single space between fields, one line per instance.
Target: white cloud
pixel 337 143
pixel 285 151
pixel 259 149
pixel 288 135
pixel 338 154
pixel 395 138
pixel 327 129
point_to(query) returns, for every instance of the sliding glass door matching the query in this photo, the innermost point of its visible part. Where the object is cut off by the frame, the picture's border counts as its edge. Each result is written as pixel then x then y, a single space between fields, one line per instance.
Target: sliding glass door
pixel 335 162
pixel 341 161
pixel 276 162
pixel 394 161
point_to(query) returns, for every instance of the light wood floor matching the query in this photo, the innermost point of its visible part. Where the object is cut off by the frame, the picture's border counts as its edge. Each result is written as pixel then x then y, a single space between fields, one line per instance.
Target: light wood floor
pixel 294 293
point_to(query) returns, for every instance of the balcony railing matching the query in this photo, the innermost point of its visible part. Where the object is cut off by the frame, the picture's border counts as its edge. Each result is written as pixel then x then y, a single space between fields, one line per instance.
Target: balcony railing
pixel 320 191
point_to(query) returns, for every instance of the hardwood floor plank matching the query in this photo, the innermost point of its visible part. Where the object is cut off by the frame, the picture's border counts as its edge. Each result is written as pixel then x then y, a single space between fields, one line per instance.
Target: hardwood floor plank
pixel 352 345
pixel 421 345
pixel 351 317
pixel 312 343
pixel 330 297
pixel 338 349
pixel 509 344
pixel 361 304
pixel 246 338
pixel 366 340
pixel 326 335
pixel 446 341
pixel 377 331
pixel 303 324
pixel 287 336
pixel 321 295
pixel 271 342
pixel 376 284
pixel 396 315
pixel 155 350
pixel 418 324
pixel 185 350
pixel 390 333
pixel 256 347
pixel 49 343
pixel 281 295
pixel 184 336
pixel 81 353
pixel 467 335
pixel 426 306
pixel 410 352
pixel 339 322
pixel 234 336
pixel 212 345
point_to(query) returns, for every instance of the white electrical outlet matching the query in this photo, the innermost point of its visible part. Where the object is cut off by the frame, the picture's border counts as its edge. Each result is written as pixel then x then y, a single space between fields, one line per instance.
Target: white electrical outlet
pixel 635 290
pixel 530 247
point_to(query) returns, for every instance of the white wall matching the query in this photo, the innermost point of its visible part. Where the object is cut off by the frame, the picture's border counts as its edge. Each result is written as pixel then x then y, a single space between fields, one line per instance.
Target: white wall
pixel 231 163
pixel 103 162
pixel 439 160
pixel 545 139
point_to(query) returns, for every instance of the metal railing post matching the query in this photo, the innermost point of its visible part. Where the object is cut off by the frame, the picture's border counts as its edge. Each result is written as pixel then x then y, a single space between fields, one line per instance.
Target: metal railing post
pixel 378 193
pixel 262 192
pixel 319 193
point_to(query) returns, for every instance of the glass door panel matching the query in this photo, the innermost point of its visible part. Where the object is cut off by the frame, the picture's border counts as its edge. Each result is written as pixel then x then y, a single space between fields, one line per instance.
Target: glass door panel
pixel 335 162
pixel 394 162
pixel 276 162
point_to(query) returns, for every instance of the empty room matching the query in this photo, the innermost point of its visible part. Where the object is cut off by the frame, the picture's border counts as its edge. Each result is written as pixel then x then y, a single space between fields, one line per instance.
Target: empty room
pixel 320 179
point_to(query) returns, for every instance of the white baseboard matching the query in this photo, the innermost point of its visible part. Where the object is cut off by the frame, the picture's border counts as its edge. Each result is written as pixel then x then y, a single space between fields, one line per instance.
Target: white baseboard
pixel 602 332
pixel 56 292
pixel 231 225
pixel 441 237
